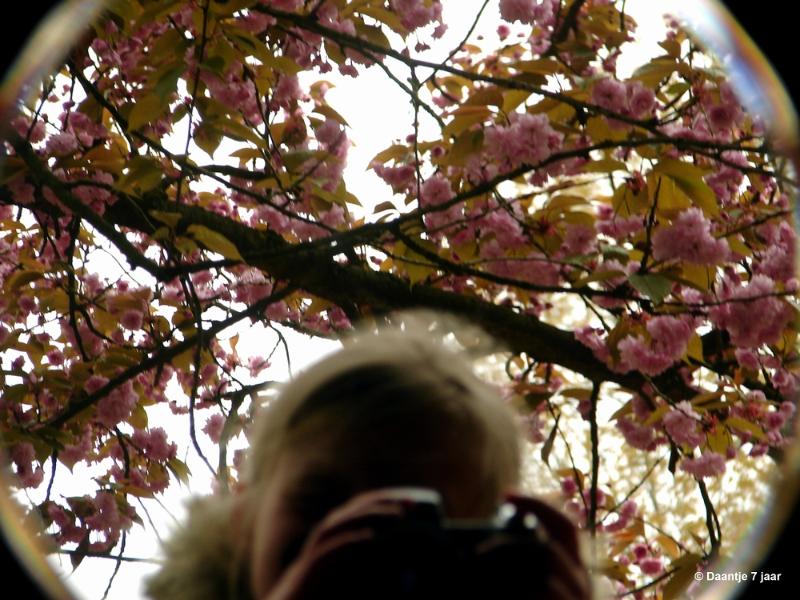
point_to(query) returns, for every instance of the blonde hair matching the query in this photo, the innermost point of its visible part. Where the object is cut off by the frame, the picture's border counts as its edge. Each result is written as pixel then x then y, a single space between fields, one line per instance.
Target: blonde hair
pixel 400 379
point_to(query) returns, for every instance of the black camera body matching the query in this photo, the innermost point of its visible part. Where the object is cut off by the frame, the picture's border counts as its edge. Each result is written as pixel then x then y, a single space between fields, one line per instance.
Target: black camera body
pixel 425 556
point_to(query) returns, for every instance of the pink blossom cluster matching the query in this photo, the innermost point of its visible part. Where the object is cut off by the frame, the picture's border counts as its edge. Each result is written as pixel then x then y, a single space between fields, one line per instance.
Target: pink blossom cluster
pixel 154 444
pixel 631 99
pixel 637 435
pixel 611 224
pixel 98 197
pixel 434 192
pixel 33 132
pixel 593 338
pixel 626 513
pixel 777 260
pixel 643 556
pixel 251 286
pixel 128 52
pixel 532 267
pixel 80 450
pixel 635 431
pixel 213 427
pixel 23 456
pixel 68 531
pixel 579 240
pixel 541 13
pixel 152 478
pixel 400 177
pixel 683 425
pixel 287 92
pixel 739 304
pixel 527 139
pixel 107 516
pixel 238 93
pixel 418 13
pixel 668 338
pixel 117 405
pixel 708 464
pixel 725 180
pixel 499 223
pixel 689 238
pixel 721 110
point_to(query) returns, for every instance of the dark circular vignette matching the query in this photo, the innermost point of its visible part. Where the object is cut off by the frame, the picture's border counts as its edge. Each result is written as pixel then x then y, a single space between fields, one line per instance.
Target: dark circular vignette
pixel 770 26
pixel 15 30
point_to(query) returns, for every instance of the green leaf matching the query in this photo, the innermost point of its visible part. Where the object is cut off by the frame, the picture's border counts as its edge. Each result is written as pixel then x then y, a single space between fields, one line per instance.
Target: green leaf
pixel 214 241
pixel 655 287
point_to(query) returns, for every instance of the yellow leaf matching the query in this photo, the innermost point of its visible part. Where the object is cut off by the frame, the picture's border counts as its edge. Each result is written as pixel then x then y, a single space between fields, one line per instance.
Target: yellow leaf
pixel 599 131
pixel 685 568
pixel 145 111
pixel 671 198
pixel 690 179
pixel 169 219
pixel 626 409
pixel 184 245
pixel 668 544
pixel 704 398
pixel 464 146
pixel 605 165
pixel 513 98
pixel 541 66
pixel 327 111
pixel 247 154
pixel 139 417
pixel 464 118
pixel 20 279
pixel 485 97
pixel 143 174
pixel 700 277
pixel 747 426
pixel 214 241
pixel 393 152
pixel 694 349
pixel 718 440
pixel 656 415
pixel 736 243
pixel 656 70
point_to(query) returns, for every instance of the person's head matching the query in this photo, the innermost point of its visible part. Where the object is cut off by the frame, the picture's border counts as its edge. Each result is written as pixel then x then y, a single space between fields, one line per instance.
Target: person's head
pixel 385 411
pixel 389 410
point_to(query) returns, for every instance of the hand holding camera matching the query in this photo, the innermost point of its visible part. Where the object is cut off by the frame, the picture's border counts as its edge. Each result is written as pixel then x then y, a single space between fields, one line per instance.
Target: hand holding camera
pixel 395 544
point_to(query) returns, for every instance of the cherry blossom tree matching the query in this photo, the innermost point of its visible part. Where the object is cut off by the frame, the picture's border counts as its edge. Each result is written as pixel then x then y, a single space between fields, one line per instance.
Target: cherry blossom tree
pixel 191 142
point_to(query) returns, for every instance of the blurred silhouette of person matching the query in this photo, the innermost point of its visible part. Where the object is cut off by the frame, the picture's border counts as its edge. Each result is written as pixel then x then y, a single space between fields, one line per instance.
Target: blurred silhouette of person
pixel 347 445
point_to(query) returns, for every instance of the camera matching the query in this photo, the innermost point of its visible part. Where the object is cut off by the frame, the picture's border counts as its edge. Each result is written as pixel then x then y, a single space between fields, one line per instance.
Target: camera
pixel 423 555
